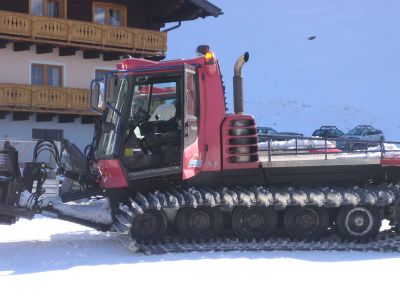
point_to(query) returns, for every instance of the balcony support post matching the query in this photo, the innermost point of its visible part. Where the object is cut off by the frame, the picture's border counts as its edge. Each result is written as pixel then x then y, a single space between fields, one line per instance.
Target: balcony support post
pixel 44 117
pixel 109 56
pixel 67 118
pixel 43 49
pixel 67 51
pixel 22 46
pixel 89 119
pixel 21 116
pixel 89 54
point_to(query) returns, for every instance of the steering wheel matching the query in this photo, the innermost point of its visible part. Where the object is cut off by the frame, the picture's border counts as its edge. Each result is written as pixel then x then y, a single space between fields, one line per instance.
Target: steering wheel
pixel 140 116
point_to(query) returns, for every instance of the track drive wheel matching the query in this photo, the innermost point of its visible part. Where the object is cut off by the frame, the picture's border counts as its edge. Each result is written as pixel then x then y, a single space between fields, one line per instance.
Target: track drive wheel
pixel 254 222
pixel 201 222
pixel 306 223
pixel 149 226
pixel 358 222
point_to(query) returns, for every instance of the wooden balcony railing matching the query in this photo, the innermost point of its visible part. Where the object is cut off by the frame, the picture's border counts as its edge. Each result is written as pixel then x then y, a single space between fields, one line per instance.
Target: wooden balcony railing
pixel 21 97
pixel 82 34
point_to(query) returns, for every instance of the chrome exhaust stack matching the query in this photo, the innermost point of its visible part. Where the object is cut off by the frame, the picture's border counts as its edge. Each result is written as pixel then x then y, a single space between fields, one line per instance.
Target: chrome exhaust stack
pixel 238 83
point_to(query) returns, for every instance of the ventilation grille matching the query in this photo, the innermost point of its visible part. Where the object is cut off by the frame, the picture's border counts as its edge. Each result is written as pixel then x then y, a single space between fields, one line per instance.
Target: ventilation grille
pixel 240 141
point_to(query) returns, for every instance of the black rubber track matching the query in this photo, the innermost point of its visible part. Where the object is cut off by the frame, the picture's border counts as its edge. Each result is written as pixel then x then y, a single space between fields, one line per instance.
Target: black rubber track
pixel 381 198
pixel 386 241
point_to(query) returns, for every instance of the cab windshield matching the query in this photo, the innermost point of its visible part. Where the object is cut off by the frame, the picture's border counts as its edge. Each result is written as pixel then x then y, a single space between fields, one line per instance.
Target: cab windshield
pixel 152 99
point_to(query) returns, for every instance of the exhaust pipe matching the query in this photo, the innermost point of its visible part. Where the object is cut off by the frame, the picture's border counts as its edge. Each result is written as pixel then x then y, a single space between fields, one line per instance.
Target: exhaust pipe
pixel 238 83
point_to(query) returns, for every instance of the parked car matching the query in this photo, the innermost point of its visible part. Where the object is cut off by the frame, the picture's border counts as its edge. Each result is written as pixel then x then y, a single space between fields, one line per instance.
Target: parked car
pixel 262 131
pixel 328 132
pixel 266 130
pixel 367 136
pixel 277 136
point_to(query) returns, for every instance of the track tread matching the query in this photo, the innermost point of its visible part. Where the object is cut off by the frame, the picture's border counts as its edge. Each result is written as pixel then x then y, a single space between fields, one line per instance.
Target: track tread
pixel 386 241
pixel 155 203
pixel 277 197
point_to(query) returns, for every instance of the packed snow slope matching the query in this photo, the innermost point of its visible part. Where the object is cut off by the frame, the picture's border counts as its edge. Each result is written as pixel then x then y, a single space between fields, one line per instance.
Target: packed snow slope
pixel 48 259
pixel 312 63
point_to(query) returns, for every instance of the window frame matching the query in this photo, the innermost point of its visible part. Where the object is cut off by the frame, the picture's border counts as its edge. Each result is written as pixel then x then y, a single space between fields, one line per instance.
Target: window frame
pixel 63 8
pixel 103 70
pixel 45 75
pixel 105 6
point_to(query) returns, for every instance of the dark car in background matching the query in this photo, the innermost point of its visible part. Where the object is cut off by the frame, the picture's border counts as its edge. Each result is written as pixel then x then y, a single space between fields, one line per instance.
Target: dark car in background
pixel 328 132
pixel 266 130
pixel 275 135
pixel 263 131
pixel 361 137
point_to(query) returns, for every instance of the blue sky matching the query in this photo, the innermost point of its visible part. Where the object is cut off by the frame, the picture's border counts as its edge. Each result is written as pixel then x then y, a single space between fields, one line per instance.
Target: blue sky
pixel 348 75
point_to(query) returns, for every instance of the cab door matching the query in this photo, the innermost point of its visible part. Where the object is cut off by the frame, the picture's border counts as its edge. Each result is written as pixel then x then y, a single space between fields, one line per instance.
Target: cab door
pixel 191 162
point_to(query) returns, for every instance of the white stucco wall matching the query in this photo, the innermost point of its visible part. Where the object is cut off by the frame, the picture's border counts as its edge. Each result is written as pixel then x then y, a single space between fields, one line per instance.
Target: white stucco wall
pixel 80 134
pixel 78 72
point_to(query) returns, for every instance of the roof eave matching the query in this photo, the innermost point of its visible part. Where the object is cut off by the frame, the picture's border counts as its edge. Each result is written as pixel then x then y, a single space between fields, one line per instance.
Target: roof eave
pixel 208 7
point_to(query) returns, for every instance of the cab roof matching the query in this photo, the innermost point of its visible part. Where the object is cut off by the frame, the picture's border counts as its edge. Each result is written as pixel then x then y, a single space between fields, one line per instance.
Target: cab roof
pixel 140 63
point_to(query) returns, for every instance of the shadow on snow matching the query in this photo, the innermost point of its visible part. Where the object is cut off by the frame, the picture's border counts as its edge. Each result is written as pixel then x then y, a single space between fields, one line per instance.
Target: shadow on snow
pixel 88 248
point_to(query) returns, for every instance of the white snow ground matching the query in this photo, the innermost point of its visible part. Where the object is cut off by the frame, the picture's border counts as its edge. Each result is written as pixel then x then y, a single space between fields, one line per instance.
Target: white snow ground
pixel 48 259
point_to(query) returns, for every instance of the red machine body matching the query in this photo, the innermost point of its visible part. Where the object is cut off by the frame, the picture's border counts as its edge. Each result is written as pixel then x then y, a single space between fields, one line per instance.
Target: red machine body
pixel 224 142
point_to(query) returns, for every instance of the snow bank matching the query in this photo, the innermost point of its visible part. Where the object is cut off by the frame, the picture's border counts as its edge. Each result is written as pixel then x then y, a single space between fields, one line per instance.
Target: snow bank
pixel 93 210
pixel 301 144
pixel 98 210
pixel 388 148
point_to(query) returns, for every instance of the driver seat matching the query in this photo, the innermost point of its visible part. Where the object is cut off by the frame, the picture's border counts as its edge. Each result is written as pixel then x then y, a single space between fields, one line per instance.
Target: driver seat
pixel 164 112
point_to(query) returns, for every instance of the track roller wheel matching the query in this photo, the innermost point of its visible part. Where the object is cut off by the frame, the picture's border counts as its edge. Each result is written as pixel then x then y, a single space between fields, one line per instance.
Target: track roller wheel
pixel 254 222
pixel 149 226
pixel 202 222
pixel 306 223
pixel 359 222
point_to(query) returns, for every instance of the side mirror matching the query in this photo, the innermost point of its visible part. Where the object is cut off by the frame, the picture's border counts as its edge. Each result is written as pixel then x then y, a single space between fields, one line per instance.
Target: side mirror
pixel 97 102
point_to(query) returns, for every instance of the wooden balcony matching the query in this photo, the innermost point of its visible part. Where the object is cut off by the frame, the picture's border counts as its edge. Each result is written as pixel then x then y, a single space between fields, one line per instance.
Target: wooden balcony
pixel 81 35
pixel 44 99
